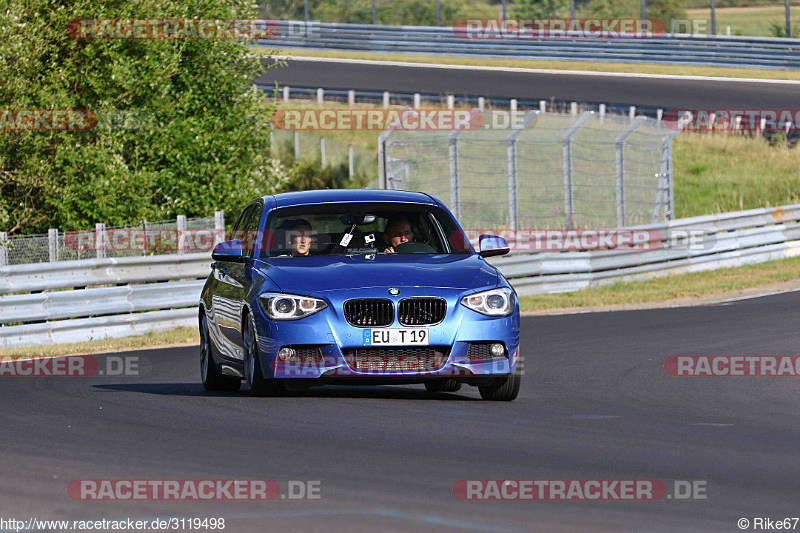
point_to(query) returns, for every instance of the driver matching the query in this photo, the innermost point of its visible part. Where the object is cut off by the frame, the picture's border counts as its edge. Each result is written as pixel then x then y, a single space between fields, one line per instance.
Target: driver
pixel 398 231
pixel 300 235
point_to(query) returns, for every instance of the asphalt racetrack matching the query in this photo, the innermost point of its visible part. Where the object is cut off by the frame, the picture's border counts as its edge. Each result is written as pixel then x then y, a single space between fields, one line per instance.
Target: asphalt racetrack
pixel 666 92
pixel 596 403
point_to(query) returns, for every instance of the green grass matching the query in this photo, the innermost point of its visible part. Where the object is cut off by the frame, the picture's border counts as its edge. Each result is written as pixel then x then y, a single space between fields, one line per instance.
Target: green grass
pixel 172 337
pixel 749 21
pixel 715 173
pixel 640 68
pixel 693 285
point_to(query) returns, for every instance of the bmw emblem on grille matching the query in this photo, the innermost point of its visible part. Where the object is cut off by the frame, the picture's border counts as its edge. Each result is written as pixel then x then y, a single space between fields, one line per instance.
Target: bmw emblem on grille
pixel 394 292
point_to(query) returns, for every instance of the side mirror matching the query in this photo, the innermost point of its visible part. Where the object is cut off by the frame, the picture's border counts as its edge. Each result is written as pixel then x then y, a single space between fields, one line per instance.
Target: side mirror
pixel 492 245
pixel 229 251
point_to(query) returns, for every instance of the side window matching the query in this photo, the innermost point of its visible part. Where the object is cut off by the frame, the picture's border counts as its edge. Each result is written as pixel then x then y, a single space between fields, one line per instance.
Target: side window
pixel 238 228
pixel 251 230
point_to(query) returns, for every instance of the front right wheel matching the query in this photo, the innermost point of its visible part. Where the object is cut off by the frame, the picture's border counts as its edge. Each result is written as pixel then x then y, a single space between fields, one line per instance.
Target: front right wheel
pixel 504 389
pixel 254 380
pixel 213 380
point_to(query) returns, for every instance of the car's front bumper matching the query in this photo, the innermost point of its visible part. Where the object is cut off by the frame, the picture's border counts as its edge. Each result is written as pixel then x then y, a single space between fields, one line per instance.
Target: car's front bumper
pixel 328 343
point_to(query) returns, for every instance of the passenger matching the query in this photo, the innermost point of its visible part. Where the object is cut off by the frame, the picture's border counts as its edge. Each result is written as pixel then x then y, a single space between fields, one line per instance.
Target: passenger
pixel 300 235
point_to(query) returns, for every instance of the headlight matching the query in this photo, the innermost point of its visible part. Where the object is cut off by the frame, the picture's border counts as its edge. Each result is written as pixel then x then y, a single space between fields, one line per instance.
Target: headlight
pixel 279 306
pixel 495 302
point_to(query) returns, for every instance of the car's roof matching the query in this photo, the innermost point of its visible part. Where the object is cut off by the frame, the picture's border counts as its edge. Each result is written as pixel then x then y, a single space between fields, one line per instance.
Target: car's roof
pixel 288 199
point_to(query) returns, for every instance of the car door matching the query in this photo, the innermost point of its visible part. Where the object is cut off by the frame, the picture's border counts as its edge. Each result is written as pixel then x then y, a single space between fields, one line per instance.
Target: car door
pixel 229 292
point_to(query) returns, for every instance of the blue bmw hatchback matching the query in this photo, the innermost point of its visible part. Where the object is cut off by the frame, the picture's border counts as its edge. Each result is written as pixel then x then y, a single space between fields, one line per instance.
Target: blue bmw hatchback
pixel 357 287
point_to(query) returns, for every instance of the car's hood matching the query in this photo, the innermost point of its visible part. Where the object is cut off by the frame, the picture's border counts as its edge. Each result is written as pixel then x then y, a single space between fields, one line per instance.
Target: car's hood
pixel 306 275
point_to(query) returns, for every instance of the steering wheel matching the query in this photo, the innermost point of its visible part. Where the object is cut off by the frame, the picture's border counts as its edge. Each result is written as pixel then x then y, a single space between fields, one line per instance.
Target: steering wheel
pixel 414 248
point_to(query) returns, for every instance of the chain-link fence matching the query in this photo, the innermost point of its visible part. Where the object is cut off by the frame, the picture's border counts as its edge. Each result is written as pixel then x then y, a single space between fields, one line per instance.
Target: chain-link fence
pixel 304 146
pixel 148 238
pixel 550 171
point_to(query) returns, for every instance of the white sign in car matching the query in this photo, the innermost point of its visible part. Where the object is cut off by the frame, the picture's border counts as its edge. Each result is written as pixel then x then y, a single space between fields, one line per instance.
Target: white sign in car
pixel 396 337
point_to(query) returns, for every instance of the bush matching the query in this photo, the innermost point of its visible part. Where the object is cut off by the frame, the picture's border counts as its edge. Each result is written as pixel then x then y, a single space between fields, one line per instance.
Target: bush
pixel 205 143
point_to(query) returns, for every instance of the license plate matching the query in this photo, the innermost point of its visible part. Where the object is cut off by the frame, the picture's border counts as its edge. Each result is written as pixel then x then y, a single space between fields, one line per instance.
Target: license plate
pixel 396 337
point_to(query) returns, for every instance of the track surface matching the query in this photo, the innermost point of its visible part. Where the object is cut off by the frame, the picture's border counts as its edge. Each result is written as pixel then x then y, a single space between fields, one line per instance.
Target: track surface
pixel 665 93
pixel 595 403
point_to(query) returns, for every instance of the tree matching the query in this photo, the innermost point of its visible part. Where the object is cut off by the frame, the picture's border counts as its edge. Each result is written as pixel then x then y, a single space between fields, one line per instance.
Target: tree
pixel 201 135
pixel 537 9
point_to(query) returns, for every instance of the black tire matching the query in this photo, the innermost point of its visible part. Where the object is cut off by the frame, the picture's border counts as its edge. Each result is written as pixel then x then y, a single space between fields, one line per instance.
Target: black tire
pixel 209 373
pixel 503 389
pixel 443 385
pixel 254 381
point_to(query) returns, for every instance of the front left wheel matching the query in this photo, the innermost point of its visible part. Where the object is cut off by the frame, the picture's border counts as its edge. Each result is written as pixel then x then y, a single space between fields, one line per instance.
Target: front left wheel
pixel 213 380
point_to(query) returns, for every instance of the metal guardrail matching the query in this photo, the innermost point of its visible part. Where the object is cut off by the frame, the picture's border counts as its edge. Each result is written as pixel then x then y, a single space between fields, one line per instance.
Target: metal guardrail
pixel 152 297
pixel 749 52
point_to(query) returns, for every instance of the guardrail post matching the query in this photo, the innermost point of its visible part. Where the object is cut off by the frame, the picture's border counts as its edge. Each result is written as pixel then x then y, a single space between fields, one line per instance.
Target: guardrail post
pixel 3 248
pixel 573 108
pixel 296 145
pixel 286 89
pixel 100 239
pixel 455 193
pixel 322 151
pixel 451 101
pixel 512 105
pixel 513 185
pixel 351 98
pixel 350 169
pixel 632 112
pixel 386 99
pixel 620 161
pixel 481 104
pixel 602 112
pixel 417 100
pixel 181 223
pixel 543 106
pixel 219 227
pixel 569 213
pixel 52 241
pixel 320 96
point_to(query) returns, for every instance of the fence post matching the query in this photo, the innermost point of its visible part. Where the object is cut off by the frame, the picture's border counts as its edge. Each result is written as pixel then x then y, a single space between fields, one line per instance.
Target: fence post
pixel 322 151
pixel 620 161
pixel 296 145
pixel 181 223
pixel 455 200
pixel 219 227
pixel 513 184
pixel 52 241
pixel 146 242
pixel 351 170
pixel 569 214
pixel 382 181
pixel 3 248
pixel 100 239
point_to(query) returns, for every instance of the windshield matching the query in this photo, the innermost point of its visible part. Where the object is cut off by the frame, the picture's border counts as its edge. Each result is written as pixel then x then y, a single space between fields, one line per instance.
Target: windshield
pixel 363 228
